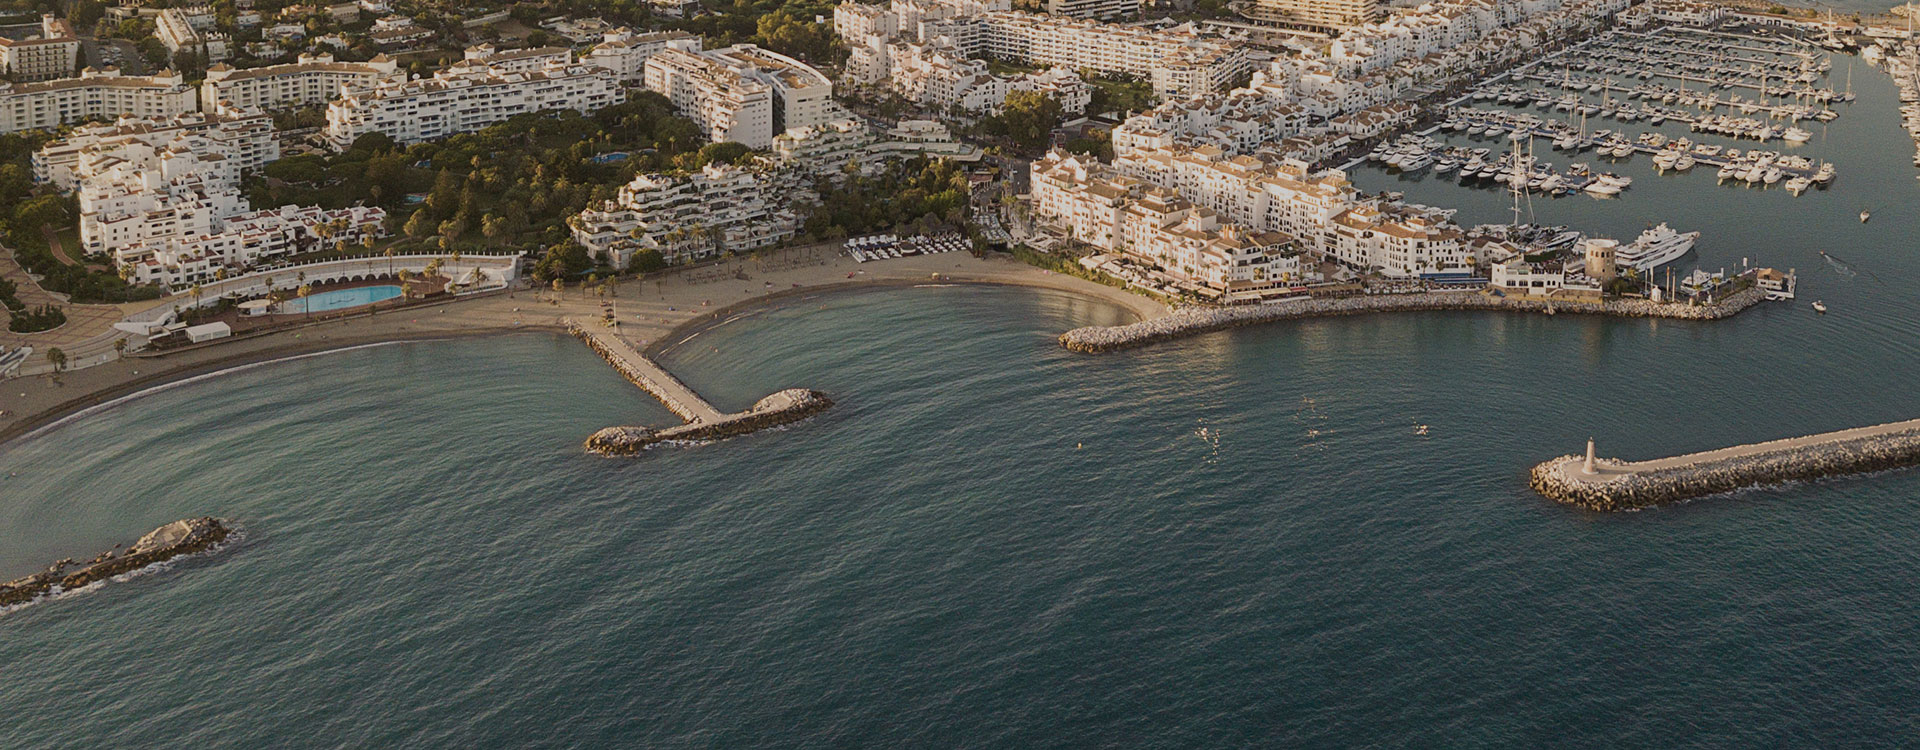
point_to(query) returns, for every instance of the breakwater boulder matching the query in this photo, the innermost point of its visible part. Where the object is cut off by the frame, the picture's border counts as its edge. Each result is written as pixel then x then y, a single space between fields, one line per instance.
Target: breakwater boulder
pixel 1620 486
pixel 782 407
pixel 182 537
pixel 1190 321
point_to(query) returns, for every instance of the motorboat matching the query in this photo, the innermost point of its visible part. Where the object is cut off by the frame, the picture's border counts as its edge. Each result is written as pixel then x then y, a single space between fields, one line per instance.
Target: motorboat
pixel 1656 247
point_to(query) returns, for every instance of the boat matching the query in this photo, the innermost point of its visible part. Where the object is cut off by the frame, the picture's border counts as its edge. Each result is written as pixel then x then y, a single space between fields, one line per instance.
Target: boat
pixel 1616 180
pixel 1820 307
pixel 1657 247
pixel 1865 215
pixel 1684 163
pixel 1728 172
pixel 1798 135
pixel 1798 185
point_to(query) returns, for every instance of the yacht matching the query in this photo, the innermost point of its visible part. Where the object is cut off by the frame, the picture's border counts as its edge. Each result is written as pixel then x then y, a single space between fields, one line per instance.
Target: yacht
pixel 1616 180
pixel 1798 135
pixel 1684 163
pixel 1657 247
pixel 1798 185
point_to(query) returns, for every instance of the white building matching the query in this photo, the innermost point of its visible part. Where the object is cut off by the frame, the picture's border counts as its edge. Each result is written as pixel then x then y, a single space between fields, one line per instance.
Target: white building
pixel 191 29
pixel 525 60
pixel 1178 62
pixel 1316 14
pixel 1181 244
pixel 51 54
pixel 625 52
pixel 241 141
pixel 938 77
pixel 1103 10
pixel 722 208
pixel 315 78
pixel 95 94
pixel 742 93
pixel 463 99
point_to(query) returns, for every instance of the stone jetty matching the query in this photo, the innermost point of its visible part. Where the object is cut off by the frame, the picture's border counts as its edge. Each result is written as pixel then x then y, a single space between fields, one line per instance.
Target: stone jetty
pixel 703 421
pixel 1191 321
pixel 1605 484
pixel 182 537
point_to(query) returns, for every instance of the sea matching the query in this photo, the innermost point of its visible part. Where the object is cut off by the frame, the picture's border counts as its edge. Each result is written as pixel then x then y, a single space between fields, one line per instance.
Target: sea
pixel 1305 534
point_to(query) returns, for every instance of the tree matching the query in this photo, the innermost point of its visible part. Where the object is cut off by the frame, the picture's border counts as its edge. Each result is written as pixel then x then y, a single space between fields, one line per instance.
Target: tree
pixel 58 358
pixel 1030 117
pixel 306 290
pixel 418 225
pixel 727 152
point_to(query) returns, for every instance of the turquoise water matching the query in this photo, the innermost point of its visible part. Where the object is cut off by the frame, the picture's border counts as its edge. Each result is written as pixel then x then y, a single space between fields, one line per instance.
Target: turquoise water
pixel 1237 539
pixel 338 299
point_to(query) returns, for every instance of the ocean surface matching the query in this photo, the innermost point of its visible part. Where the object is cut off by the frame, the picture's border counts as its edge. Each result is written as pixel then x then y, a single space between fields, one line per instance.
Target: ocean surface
pixel 1238 539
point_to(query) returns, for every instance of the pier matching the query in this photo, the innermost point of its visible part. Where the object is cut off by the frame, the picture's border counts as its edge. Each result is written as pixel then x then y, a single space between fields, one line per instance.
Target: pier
pixel 1605 484
pixel 704 422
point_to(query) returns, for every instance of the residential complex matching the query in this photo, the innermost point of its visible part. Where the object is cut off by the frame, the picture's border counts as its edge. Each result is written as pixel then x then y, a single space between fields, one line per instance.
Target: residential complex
pixel 190 29
pixel 625 52
pixel 741 93
pixel 721 208
pixel 1177 61
pixel 95 94
pixel 315 78
pixel 233 142
pixel 1104 10
pixel 52 54
pixel 462 99
pixel 939 78
pixel 1185 245
pixel 162 198
pixel 1331 15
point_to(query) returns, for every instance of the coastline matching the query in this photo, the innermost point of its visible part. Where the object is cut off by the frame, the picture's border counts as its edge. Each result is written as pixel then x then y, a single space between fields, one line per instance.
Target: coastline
pixel 657 309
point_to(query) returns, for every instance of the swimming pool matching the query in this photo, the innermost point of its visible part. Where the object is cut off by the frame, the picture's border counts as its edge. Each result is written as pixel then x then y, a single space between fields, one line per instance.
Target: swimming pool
pixel 338 299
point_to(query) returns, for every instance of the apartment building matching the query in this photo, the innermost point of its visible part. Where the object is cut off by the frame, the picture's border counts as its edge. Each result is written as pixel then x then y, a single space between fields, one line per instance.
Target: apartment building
pixel 1325 15
pixel 742 93
pixel 527 60
pixel 625 52
pixel 463 99
pixel 1187 245
pixel 240 141
pixel 246 240
pixel 1177 61
pixel 314 78
pixel 1101 10
pixel 721 208
pixel 51 54
pixel 1328 215
pixel 192 29
pixel 95 94
pixel 937 77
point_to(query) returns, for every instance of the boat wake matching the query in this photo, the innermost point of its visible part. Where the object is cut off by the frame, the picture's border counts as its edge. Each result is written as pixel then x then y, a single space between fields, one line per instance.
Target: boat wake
pixel 1843 268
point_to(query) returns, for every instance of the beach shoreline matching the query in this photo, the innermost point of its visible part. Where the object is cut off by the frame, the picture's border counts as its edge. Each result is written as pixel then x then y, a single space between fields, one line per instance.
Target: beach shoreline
pixel 657 309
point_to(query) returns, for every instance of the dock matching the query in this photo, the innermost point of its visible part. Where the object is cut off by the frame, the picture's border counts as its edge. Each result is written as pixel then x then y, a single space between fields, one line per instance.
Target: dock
pixel 1605 484
pixel 704 422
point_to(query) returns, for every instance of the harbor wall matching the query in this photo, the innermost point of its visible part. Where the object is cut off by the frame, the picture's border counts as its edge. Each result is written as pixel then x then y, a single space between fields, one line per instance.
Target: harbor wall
pixel 1619 486
pixel 1191 321
pixel 784 407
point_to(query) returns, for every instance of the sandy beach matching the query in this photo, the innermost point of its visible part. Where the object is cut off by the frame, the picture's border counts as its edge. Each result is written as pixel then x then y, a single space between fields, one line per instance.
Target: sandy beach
pixel 653 310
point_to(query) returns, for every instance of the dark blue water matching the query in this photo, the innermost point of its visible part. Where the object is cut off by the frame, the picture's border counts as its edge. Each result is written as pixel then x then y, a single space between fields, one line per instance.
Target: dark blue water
pixel 1237 539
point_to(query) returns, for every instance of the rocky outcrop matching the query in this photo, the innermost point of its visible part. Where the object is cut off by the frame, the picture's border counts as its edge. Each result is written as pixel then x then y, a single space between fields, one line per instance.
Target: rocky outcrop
pixel 1559 479
pixel 783 407
pixel 1190 321
pixel 182 537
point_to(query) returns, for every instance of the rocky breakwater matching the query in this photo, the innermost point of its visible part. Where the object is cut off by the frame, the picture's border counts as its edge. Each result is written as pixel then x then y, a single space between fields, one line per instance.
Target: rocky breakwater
pixel 1613 485
pixel 182 537
pixel 1191 321
pixel 784 407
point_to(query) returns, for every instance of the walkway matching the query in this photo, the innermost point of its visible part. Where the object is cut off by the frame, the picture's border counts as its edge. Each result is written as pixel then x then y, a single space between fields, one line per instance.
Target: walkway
pixel 1607 471
pixel 644 373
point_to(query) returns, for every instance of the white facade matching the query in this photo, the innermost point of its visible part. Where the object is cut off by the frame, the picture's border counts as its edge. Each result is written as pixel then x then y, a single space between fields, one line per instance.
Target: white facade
pixel 239 141
pixel 1188 244
pixel 1103 10
pixel 938 77
pixel 742 93
pixel 51 54
pixel 95 94
pixel 463 99
pixel 191 29
pixel 625 53
pixel 722 208
pixel 315 78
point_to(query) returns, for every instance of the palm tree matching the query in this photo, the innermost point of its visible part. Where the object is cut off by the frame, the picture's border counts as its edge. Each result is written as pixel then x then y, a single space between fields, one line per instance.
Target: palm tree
pixel 195 290
pixel 58 358
pixel 406 285
pixel 305 290
pixel 389 255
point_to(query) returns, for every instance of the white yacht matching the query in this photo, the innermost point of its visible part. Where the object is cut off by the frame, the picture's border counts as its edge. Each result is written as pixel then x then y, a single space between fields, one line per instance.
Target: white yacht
pixel 1798 135
pixel 1657 247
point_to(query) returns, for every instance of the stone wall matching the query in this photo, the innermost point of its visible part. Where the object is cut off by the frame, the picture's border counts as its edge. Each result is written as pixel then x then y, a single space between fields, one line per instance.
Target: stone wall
pixel 1190 321
pixel 1833 458
pixel 791 405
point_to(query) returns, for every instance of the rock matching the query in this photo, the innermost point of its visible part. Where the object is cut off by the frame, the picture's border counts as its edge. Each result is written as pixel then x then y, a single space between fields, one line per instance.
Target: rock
pixel 183 537
pixel 620 441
